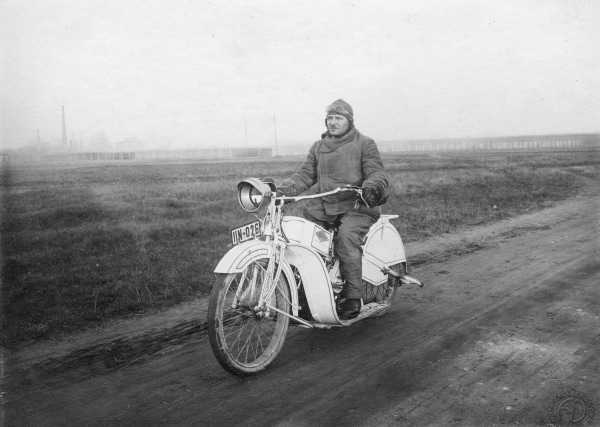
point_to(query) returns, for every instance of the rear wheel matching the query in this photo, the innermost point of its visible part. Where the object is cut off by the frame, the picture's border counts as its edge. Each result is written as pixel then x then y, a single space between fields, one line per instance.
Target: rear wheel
pixel 384 293
pixel 244 337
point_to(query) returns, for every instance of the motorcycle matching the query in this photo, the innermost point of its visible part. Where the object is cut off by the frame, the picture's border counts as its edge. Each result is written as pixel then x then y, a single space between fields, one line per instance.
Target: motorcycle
pixel 283 268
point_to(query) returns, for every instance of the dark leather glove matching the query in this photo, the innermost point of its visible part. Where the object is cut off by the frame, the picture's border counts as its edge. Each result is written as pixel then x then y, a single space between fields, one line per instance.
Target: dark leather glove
pixel 371 196
pixel 289 190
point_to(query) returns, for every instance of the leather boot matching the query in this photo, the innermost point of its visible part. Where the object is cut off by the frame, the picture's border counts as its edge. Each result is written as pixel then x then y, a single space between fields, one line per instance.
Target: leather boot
pixel 349 309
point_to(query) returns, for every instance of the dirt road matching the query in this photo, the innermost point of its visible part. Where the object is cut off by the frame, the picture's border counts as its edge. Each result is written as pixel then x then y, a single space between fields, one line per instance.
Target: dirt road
pixel 508 319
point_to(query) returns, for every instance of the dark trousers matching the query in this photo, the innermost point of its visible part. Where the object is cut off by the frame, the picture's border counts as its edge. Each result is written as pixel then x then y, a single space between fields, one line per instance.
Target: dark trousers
pixel 353 226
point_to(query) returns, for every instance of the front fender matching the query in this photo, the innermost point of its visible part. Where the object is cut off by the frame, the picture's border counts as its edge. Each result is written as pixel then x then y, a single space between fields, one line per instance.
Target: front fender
pixel 315 278
pixel 241 255
pixel 238 258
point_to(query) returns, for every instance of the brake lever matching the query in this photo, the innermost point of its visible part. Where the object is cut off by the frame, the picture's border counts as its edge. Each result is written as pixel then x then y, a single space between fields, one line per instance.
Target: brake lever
pixel 359 191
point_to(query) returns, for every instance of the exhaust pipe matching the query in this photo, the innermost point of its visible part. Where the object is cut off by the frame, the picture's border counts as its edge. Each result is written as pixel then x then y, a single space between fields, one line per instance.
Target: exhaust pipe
pixel 405 279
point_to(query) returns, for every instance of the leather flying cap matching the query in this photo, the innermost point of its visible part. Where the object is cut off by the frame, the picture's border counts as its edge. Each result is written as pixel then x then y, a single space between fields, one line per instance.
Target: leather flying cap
pixel 341 107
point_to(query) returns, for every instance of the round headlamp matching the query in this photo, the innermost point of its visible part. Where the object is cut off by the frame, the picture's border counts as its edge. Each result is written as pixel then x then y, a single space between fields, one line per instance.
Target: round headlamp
pixel 251 193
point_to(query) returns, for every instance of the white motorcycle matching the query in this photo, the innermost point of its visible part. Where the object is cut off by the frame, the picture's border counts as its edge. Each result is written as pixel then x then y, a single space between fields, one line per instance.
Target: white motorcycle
pixel 283 268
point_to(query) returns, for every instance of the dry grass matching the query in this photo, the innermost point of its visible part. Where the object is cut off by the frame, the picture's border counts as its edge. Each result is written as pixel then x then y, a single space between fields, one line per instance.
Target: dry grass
pixel 84 243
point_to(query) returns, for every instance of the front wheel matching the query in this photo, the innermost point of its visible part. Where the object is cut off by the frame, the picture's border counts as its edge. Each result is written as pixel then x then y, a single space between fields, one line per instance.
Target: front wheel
pixel 384 293
pixel 244 336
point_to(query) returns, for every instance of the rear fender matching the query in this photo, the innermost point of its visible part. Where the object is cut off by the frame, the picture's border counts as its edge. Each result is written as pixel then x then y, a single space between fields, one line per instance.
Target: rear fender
pixel 383 248
pixel 238 258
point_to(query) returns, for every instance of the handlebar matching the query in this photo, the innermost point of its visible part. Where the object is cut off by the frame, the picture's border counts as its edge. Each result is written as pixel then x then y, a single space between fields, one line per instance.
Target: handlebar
pixel 355 189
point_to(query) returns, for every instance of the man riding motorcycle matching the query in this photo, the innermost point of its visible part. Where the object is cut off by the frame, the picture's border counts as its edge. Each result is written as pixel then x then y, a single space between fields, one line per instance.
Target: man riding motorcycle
pixel 343 156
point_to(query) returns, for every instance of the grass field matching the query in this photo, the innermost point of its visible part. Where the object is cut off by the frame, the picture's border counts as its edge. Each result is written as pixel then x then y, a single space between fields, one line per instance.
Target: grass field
pixel 85 242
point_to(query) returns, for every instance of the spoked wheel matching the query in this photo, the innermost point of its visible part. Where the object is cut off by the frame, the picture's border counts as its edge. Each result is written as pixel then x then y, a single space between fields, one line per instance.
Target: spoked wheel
pixel 244 336
pixel 384 293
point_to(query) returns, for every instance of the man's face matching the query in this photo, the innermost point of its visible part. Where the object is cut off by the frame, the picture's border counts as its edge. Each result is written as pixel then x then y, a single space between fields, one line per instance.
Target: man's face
pixel 337 124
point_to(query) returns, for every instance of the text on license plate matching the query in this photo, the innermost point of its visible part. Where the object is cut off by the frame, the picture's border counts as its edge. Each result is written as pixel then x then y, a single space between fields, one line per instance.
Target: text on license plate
pixel 245 232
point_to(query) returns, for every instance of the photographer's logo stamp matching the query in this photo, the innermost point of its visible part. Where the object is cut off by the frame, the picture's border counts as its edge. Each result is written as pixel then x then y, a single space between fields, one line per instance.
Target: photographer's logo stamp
pixel 571 406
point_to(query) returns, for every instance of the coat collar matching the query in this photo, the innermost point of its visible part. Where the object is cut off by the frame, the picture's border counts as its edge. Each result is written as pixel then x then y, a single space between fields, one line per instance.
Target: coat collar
pixel 332 144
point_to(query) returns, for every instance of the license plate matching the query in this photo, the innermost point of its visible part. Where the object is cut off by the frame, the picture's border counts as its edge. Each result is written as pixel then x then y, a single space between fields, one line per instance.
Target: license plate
pixel 245 232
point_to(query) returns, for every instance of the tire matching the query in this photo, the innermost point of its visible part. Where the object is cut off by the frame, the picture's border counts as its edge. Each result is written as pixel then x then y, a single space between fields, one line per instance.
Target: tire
pixel 385 292
pixel 245 340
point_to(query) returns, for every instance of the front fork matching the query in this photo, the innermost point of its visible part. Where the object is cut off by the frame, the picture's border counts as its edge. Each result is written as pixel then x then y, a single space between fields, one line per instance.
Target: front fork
pixel 268 282
pixel 273 273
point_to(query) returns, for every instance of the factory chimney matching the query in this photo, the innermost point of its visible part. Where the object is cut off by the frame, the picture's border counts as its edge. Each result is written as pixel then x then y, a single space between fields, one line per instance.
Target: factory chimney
pixel 64 128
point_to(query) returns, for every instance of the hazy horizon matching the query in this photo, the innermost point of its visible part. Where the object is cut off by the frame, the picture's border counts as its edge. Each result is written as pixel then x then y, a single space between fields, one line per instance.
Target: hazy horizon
pixel 183 73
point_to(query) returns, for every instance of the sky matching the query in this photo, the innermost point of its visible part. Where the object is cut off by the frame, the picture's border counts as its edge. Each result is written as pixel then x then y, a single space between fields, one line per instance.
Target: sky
pixel 190 73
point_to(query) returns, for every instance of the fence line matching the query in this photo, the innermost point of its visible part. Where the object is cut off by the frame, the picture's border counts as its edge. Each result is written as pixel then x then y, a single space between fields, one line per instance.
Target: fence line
pixel 224 153
pixel 490 144
pixel 525 144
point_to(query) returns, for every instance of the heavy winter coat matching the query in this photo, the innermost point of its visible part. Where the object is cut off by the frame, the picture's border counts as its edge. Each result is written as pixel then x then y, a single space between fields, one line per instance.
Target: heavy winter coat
pixel 336 162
